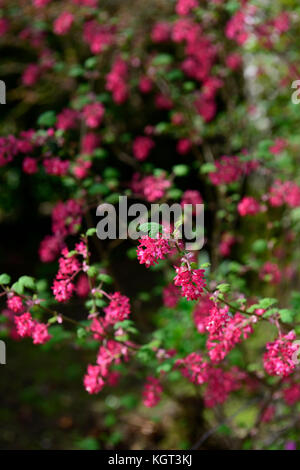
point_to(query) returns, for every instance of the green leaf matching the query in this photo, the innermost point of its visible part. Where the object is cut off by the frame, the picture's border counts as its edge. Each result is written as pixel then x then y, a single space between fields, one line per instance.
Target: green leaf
pixel 81 333
pixel 223 287
pixel 286 315
pixel 267 302
pixel 259 246
pixel 27 281
pixel 92 271
pixel 105 278
pixel 90 232
pixel 4 279
pixel 162 59
pixel 207 168
pixel 47 119
pixel 180 170
pixel 152 228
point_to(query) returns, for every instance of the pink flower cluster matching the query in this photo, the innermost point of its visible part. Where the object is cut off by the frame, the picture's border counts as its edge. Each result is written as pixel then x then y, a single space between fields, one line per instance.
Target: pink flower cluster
pixel 152 188
pixel 279 359
pixel 63 23
pixel 230 169
pixel 8 149
pixel 191 282
pixel 202 313
pixel 116 81
pixel 284 192
pixel 93 114
pixel 170 296
pixel 151 250
pixel 98 36
pixel 227 241
pixel 118 309
pixel 28 327
pixel 63 286
pixel 108 354
pixel 66 219
pixel 248 206
pixel 219 383
pixel 15 303
pixel 183 7
pixel 270 272
pixel 55 166
pixel 152 392
pixel 291 394
pixel 142 147
pixel 226 331
pixel 67 119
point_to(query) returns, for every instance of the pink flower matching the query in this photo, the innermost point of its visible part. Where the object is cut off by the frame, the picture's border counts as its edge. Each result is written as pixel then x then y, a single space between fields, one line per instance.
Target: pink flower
pixel 63 290
pixel 292 394
pixel 193 197
pixel 151 250
pixel 202 313
pixel 116 81
pixel 278 146
pixel 93 382
pixel 4 26
pixel 98 328
pixel 15 303
pixel 163 102
pixel 66 218
pixel 89 143
pixel 24 324
pixel 236 28
pixel 183 7
pixel 194 368
pixel 183 146
pixel 99 37
pixel 50 248
pixel 81 168
pixel 82 286
pixel 152 188
pixel 170 296
pixel 142 147
pixel 206 107
pixel 233 61
pixel 40 333
pixel 268 414
pixel 31 75
pixel 145 85
pixel 282 22
pixel 161 32
pixel 248 206
pixel 225 332
pixel 67 119
pixel 41 3
pixel 228 170
pixel 278 359
pixel 271 272
pixel 55 166
pixel 30 165
pixel 118 309
pixel 191 282
pixel 63 23
pixel 152 392
pixel 220 384
pixel 93 114
pixel 226 243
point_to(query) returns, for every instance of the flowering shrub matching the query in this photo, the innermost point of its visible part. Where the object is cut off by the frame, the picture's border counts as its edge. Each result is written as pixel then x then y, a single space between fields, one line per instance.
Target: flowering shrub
pixel 177 102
